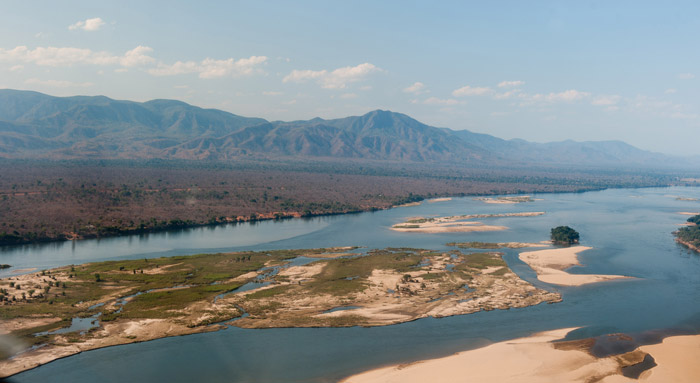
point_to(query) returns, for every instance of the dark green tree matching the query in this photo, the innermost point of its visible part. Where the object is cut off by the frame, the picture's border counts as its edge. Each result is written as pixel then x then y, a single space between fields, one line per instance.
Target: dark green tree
pixel 564 235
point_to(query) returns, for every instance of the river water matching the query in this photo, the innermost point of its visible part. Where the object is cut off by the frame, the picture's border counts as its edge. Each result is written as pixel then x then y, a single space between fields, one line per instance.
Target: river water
pixel 630 231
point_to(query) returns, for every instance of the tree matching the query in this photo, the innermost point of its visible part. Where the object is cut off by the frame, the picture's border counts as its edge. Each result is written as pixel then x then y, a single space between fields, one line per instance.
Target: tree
pixel 564 235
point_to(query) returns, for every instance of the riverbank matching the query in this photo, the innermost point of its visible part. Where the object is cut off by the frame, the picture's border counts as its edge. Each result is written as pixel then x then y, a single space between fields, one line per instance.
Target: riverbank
pixel 550 266
pixel 540 358
pixel 688 245
pixel 84 197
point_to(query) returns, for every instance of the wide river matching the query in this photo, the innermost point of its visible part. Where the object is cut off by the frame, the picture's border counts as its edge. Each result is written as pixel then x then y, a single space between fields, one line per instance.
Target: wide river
pixel 630 231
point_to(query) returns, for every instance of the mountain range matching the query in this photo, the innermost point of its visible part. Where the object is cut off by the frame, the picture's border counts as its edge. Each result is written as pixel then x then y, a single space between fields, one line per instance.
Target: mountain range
pixel 36 125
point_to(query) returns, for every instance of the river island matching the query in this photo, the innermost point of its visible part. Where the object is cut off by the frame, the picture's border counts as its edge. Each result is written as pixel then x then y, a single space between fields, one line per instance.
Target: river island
pixel 64 311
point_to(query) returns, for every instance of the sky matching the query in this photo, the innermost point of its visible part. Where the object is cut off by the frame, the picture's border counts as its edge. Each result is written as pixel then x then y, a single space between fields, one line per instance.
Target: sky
pixel 536 70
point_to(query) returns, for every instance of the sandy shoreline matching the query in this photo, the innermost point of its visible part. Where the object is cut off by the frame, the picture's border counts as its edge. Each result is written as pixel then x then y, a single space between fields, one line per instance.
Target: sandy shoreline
pixel 538 359
pixel 550 264
pixel 688 245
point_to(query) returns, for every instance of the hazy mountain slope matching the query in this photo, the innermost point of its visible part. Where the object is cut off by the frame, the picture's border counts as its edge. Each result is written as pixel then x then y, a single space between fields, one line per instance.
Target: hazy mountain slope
pixel 35 125
pixel 566 152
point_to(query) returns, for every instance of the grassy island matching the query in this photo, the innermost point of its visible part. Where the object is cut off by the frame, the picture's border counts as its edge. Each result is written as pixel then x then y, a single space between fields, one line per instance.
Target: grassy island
pixel 690 235
pixel 128 301
pixel 493 245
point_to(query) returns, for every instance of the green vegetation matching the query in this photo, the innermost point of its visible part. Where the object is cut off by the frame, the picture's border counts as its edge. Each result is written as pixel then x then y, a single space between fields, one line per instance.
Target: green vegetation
pixel 158 287
pixel 185 294
pixel 490 245
pixel 346 276
pixel 690 235
pixel 476 245
pixel 482 260
pixel 564 235
pixel 420 220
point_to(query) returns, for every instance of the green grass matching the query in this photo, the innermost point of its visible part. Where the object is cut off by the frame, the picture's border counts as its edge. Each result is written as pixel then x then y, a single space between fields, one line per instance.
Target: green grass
pixel 483 260
pixel 420 220
pixel 475 245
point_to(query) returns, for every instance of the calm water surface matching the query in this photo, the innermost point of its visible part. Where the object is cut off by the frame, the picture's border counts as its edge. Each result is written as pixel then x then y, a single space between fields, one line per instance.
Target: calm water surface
pixel 629 229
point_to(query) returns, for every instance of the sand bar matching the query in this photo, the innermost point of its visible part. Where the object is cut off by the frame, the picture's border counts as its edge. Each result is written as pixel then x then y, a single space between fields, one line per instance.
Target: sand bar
pixel 535 359
pixel 433 200
pixel 455 224
pixel 505 200
pixel 550 264
pixel 532 359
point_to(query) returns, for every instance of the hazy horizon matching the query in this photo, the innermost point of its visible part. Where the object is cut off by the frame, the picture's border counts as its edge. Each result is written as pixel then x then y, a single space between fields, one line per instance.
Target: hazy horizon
pixel 546 72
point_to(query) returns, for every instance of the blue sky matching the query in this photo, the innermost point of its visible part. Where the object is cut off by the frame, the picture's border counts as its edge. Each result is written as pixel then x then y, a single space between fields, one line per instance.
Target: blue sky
pixel 541 71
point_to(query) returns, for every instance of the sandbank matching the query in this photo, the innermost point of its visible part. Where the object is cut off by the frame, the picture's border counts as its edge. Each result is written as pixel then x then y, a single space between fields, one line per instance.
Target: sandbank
pixel 676 358
pixel 532 359
pixel 409 204
pixel 433 200
pixel 688 213
pixel 550 264
pixel 537 359
pixel 455 224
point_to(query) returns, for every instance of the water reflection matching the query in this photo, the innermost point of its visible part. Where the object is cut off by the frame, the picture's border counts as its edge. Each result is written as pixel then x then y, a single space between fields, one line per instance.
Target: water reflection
pixel 146 245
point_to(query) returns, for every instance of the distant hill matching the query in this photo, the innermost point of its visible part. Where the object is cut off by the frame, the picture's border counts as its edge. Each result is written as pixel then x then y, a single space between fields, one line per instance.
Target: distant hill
pixel 35 125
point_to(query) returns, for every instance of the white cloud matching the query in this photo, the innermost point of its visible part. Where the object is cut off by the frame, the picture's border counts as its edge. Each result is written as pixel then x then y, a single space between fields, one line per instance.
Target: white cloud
pixel 606 100
pixel 137 56
pixel 303 75
pixel 55 56
pixel 89 25
pixel 439 101
pixel 336 79
pixel 58 83
pixel 670 91
pixel 272 93
pixel 16 68
pixel 565 96
pixel 210 68
pixel 686 76
pixel 416 88
pixel 507 95
pixel 67 56
pixel 471 91
pixel 510 84
pixel 348 96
